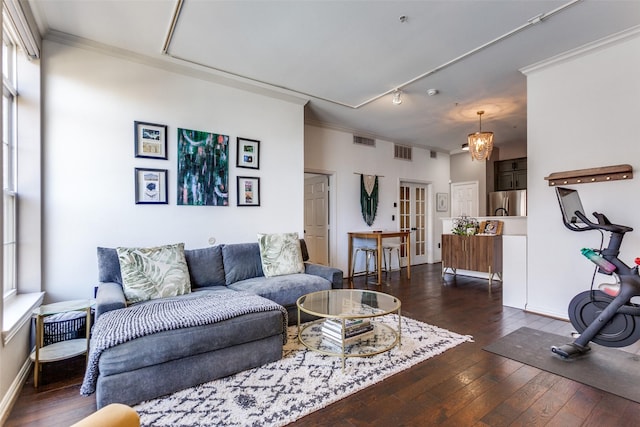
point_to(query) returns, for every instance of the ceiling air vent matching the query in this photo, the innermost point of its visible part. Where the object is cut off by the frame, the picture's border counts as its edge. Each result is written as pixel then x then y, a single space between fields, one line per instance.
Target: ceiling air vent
pixel 402 152
pixel 361 140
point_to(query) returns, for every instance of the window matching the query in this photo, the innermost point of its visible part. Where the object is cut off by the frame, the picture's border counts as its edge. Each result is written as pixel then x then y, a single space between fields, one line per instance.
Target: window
pixel 9 163
pixel 21 170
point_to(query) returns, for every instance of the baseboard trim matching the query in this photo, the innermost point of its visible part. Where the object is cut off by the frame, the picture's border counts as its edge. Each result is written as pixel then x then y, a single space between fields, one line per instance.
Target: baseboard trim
pixel 14 391
pixel 546 312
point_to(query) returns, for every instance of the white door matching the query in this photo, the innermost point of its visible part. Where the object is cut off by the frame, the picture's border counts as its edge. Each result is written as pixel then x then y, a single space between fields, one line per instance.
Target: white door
pixel 413 218
pixel 464 199
pixel 316 218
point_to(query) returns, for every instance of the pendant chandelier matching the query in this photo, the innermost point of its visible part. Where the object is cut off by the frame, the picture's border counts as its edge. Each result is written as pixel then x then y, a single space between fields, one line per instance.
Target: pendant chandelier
pixel 480 143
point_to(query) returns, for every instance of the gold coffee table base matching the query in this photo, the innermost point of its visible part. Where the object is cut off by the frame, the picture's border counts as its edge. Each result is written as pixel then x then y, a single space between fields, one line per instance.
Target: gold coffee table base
pixel 345 305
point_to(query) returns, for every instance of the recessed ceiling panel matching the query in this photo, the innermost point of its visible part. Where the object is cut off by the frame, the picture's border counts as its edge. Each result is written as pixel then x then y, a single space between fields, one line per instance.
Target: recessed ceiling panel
pixel 346 51
pixel 138 26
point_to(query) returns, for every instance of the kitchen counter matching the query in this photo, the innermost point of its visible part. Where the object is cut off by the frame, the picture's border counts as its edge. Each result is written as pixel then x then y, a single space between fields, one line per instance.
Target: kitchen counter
pixel 512 225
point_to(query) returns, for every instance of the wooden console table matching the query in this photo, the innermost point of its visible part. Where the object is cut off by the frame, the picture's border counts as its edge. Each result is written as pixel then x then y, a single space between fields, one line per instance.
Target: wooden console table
pixel 475 253
pixel 378 236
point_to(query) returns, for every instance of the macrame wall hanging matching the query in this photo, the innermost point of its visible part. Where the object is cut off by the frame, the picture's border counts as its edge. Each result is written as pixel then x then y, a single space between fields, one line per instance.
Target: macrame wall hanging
pixel 369 197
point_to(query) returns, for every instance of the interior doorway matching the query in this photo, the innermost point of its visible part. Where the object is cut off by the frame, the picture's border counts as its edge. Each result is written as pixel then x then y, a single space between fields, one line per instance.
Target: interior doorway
pixel 414 217
pixel 317 218
pixel 464 199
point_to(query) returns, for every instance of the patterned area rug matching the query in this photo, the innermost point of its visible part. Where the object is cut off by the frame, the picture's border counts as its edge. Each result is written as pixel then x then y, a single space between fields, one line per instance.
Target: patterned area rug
pixel 301 382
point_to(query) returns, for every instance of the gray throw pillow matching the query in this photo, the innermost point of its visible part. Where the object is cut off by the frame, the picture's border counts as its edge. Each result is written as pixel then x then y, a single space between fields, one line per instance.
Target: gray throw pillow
pixel 205 267
pixel 241 262
pixel 108 265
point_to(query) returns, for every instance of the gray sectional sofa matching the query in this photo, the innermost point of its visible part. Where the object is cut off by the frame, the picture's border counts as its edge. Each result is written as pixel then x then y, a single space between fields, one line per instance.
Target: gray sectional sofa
pixel 164 362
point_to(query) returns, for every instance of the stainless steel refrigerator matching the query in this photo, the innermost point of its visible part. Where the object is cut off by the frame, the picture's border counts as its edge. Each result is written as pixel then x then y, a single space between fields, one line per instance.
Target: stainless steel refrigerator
pixel 508 203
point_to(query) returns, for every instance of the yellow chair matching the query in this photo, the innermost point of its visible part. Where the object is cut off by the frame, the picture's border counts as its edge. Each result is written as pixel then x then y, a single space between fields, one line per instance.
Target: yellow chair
pixel 113 415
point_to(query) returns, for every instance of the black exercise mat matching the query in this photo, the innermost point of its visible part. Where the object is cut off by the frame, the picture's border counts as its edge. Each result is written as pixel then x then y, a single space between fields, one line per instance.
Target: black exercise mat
pixel 611 370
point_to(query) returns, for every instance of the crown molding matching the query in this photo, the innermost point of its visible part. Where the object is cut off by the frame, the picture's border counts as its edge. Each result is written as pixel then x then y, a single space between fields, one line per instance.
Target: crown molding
pixel 171 64
pixel 586 49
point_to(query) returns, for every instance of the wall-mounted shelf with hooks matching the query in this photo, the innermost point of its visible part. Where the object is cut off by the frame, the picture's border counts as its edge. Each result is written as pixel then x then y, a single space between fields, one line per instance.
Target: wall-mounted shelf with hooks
pixel 585 176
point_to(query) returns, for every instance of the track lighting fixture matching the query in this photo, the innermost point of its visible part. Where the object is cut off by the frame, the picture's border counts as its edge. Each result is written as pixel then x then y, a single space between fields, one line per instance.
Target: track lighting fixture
pixel 397 100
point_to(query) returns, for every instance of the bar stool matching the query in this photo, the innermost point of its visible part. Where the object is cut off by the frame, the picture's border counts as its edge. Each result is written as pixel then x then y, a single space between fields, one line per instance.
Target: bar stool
pixel 390 248
pixel 369 248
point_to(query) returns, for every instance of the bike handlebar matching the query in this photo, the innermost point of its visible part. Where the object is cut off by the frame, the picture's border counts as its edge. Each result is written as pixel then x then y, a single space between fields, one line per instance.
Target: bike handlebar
pixel 603 224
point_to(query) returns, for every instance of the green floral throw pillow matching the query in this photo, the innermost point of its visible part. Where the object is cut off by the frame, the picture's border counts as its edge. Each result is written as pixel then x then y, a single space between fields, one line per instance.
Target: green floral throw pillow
pixel 150 273
pixel 280 254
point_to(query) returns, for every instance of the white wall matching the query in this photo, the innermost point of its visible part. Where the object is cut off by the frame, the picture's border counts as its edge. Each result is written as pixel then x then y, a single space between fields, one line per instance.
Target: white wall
pixel 91 100
pixel 582 113
pixel 464 169
pixel 511 151
pixel 333 151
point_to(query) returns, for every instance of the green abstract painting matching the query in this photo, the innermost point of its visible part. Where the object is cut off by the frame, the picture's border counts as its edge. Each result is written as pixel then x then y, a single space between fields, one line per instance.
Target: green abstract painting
pixel 203 168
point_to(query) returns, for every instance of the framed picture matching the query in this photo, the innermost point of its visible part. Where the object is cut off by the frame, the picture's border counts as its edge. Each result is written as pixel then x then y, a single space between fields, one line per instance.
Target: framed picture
pixel 442 202
pixel 493 227
pixel 248 191
pixel 151 140
pixel 203 168
pixel 248 153
pixel 151 186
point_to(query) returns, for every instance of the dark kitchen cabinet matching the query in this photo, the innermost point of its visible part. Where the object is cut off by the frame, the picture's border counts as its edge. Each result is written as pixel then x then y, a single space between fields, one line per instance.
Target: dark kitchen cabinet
pixel 511 174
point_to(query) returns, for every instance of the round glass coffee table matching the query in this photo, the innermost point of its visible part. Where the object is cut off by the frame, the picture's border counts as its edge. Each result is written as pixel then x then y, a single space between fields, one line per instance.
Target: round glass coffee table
pixel 347 326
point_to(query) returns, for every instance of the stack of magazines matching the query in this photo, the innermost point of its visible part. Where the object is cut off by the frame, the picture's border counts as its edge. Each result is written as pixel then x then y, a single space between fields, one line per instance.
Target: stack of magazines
pixel 354 329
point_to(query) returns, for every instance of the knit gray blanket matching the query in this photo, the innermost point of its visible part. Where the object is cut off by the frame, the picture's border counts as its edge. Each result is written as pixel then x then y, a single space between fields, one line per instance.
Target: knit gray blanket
pixel 201 308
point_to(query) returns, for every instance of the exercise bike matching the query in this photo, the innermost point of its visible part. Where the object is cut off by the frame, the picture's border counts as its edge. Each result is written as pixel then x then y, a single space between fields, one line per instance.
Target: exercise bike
pixel 605 316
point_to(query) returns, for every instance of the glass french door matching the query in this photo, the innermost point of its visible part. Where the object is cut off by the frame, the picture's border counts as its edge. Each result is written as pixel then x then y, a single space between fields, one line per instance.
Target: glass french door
pixel 413 218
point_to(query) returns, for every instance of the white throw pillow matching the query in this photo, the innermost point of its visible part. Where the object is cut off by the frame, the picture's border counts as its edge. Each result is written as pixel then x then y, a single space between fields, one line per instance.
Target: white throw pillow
pixel 150 273
pixel 280 254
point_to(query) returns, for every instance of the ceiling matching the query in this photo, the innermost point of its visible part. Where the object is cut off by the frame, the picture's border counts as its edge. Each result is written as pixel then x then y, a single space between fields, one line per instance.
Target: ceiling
pixel 347 57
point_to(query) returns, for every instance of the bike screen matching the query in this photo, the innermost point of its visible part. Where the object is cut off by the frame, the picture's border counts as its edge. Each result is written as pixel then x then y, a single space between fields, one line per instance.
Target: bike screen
pixel 569 200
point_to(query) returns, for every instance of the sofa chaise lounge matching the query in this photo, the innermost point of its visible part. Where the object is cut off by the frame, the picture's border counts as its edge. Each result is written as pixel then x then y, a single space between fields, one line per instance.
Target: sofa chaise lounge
pixel 163 362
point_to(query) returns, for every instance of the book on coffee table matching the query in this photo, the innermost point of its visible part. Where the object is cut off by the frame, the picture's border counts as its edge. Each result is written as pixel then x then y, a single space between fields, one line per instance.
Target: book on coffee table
pixel 354 330
pixel 350 324
pixel 337 341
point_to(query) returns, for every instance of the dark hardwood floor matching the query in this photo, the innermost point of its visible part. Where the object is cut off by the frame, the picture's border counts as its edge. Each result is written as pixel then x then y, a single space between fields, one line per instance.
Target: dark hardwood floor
pixel 465 386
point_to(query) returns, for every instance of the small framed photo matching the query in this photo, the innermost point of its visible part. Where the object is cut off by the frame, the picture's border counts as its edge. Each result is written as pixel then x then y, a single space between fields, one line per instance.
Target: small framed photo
pixel 248 153
pixel 491 227
pixel 442 202
pixel 248 191
pixel 151 186
pixel 151 140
